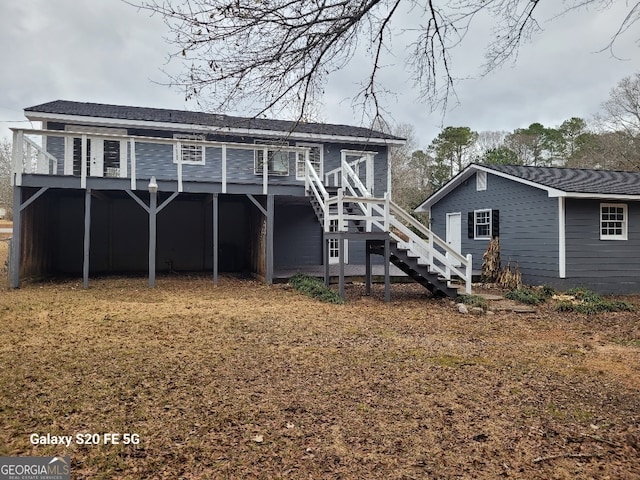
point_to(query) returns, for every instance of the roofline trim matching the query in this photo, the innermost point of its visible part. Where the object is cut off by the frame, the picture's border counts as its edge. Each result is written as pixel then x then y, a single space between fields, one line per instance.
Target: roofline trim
pixel 468 171
pixel 39 116
pixel 602 196
pixel 552 192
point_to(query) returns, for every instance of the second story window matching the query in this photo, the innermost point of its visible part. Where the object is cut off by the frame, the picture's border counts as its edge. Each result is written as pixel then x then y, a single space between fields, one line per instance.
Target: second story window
pixel 277 160
pixel 191 153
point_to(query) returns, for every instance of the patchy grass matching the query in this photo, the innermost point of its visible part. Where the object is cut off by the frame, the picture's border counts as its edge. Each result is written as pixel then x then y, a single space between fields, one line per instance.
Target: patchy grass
pixel 314 288
pixel 473 301
pixel 244 380
pixel 530 295
pixel 588 302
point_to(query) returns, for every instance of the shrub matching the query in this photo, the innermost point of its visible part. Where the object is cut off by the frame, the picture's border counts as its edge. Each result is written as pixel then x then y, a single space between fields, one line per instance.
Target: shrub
pixel 591 303
pixel 529 296
pixel 473 301
pixel 314 288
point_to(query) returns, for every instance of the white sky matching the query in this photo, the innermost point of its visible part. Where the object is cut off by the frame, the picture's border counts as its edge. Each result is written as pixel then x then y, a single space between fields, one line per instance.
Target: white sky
pixel 107 51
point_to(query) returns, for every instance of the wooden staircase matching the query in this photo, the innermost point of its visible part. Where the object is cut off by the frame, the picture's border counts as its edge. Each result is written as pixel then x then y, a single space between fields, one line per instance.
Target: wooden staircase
pixel 413 248
pixel 415 268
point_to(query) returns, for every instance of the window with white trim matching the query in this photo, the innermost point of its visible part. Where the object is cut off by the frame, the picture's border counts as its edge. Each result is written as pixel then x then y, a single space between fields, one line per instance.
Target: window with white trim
pixel 277 160
pixel 481 181
pixel 613 221
pixel 315 157
pixel 190 153
pixel 482 224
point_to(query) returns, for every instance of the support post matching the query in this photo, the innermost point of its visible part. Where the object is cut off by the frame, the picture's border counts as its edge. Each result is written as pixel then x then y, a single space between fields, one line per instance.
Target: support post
pixel 215 239
pixel 16 239
pixel 325 259
pixel 87 237
pixel 367 267
pixel 269 239
pixel 387 282
pixel 341 260
pixel 153 203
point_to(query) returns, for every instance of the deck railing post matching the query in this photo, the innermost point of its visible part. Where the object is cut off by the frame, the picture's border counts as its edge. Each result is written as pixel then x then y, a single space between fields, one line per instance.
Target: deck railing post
pixel 132 160
pixel 387 211
pixel 306 171
pixel 178 160
pixel 224 169
pixel 84 151
pixel 265 171
pixel 18 139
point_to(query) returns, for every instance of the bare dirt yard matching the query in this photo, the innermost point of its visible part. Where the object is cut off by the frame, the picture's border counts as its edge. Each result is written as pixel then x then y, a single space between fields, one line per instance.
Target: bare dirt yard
pixel 246 381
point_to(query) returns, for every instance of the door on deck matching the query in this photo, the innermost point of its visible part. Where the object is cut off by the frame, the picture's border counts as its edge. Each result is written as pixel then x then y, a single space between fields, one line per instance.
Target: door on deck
pixel 104 157
pixel 454 231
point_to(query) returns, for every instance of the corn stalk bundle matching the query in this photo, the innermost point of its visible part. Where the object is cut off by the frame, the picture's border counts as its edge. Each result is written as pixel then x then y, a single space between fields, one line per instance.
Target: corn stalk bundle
pixel 491 261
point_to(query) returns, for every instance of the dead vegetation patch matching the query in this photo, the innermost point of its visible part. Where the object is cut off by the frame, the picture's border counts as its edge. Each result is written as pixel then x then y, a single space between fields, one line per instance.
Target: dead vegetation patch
pixel 245 380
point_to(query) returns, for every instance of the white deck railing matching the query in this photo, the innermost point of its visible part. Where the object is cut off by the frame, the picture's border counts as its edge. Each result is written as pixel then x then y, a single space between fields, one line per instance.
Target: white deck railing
pixel 381 214
pixel 30 156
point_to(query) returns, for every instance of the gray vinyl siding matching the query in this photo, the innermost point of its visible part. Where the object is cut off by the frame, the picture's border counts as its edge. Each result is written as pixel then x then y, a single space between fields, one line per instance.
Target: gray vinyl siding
pixel 55 146
pixel 157 160
pixel 608 266
pixel 528 221
pixel 297 236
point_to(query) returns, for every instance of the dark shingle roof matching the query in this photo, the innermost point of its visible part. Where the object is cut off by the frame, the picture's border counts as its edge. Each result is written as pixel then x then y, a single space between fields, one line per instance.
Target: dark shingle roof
pixel 576 180
pixel 64 107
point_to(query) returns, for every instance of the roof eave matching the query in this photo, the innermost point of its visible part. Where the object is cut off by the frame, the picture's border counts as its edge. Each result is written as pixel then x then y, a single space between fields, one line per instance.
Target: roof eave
pixel 551 192
pixel 105 121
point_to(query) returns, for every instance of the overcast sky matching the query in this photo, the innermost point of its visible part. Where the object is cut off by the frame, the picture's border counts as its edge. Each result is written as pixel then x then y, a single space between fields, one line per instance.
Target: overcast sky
pixel 107 51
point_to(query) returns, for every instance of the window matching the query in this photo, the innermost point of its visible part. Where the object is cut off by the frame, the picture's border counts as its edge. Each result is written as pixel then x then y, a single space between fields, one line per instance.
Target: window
pixel 482 224
pixel 277 160
pixel 190 153
pixel 481 181
pixel 613 221
pixel 315 157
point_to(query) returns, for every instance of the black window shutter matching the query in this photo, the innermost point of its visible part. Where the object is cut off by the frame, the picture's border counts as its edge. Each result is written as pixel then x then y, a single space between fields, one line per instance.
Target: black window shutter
pixel 495 223
pixel 470 225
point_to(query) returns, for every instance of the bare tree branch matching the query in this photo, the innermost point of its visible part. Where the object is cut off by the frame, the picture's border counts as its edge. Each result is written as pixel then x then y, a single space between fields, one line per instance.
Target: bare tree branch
pixel 267 56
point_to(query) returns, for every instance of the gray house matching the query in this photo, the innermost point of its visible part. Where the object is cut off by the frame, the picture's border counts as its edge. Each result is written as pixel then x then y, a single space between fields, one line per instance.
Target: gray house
pixel 102 189
pixel 565 227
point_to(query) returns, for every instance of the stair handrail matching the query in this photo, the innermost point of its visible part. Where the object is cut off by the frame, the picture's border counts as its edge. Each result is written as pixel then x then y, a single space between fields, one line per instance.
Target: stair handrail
pixel 313 182
pixel 337 171
pixel 428 245
pixel 349 175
